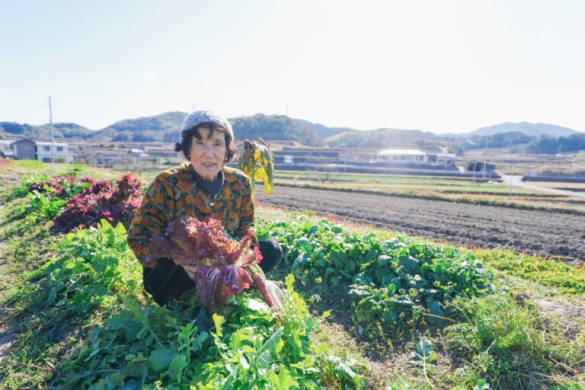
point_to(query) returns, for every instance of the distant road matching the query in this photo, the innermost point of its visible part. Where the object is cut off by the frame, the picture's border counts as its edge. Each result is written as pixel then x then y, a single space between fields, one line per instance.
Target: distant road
pixel 517 182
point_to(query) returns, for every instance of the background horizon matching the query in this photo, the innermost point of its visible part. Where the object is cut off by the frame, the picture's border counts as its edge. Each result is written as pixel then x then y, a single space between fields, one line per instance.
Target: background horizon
pixel 448 67
pixel 302 119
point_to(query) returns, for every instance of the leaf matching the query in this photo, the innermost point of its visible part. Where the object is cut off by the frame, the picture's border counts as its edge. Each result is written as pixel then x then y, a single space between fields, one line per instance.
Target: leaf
pixel 481 385
pixel 304 244
pixel 244 363
pixel 271 342
pixel 218 321
pixel 432 357
pixel 160 359
pixel 424 347
pixel 244 334
pixel 256 305
pixel 285 379
pixel 176 367
pixel 289 281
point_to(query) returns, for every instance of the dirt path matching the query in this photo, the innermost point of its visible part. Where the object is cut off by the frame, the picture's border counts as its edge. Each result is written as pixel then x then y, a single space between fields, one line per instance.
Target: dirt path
pixel 517 182
pixel 537 232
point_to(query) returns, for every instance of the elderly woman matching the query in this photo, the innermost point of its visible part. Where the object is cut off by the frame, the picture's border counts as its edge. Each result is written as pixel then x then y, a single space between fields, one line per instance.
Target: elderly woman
pixel 202 187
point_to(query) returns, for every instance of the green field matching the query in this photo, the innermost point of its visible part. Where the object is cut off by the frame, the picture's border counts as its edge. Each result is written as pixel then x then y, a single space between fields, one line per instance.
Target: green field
pixel 365 308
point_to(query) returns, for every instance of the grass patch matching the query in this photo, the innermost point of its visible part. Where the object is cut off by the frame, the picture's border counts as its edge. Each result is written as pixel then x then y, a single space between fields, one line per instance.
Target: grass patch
pixel 507 345
pixel 547 272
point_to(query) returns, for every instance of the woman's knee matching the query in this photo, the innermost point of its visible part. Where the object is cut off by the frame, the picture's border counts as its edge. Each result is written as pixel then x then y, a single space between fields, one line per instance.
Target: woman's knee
pixel 166 282
pixel 271 254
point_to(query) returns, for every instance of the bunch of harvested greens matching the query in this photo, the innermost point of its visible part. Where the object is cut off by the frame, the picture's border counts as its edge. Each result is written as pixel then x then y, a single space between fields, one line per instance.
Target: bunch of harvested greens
pixel 224 266
pixel 257 162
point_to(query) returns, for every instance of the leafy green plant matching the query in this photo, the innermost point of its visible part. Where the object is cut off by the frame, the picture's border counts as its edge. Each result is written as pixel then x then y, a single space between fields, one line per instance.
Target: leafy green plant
pixel 20 190
pixel 151 347
pixel 425 357
pixel 397 281
pixel 92 264
pixel 47 207
pixel 48 195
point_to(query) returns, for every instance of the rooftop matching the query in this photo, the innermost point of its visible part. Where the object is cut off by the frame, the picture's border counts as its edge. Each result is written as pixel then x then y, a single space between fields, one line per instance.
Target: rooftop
pixel 401 152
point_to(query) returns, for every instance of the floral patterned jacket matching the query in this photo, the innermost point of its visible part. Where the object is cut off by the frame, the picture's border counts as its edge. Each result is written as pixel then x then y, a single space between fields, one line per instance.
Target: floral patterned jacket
pixel 175 193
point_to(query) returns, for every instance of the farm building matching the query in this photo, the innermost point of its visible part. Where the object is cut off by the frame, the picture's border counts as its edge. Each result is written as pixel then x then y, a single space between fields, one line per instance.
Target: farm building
pixel 122 155
pixel 415 156
pixel 6 150
pixel 398 155
pixel 478 166
pixel 27 149
pixel 447 159
pixel 288 155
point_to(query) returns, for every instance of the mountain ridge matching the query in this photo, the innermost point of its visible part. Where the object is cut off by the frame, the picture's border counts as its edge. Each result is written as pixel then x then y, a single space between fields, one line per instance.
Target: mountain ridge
pixel 166 127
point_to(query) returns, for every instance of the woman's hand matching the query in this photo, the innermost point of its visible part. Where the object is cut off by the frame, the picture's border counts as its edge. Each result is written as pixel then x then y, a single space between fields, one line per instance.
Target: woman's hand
pixel 191 270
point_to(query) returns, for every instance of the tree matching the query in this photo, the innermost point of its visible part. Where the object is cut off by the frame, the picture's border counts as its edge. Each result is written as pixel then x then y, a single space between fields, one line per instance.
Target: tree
pixel 86 154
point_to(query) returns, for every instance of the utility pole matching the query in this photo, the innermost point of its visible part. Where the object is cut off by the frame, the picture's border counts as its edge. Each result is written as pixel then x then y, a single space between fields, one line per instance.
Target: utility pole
pixel 52 131
pixel 510 188
pixel 485 160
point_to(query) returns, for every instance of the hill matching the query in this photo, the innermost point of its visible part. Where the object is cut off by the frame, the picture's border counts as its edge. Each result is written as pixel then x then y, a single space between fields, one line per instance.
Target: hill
pixel 43 132
pixel 323 132
pixel 277 128
pixel 163 127
pixel 166 128
pixel 493 141
pixel 383 138
pixel 531 129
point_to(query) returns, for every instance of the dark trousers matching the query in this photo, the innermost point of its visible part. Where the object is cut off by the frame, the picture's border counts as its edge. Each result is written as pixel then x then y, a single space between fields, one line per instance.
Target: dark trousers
pixel 169 281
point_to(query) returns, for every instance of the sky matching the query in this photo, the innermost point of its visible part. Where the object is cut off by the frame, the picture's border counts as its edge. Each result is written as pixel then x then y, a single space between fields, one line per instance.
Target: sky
pixel 446 66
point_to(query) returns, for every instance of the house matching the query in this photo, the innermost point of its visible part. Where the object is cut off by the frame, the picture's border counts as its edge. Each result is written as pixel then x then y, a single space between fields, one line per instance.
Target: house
pixel 24 149
pixel 402 156
pixel 6 150
pixel 62 152
pixel 446 159
pixel 27 149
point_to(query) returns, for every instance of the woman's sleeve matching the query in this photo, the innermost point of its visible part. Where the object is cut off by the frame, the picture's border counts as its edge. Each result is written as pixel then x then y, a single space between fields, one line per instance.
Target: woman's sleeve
pixel 151 218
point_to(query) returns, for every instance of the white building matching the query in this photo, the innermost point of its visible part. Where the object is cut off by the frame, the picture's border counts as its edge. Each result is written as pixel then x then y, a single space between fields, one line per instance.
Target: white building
pixel 62 152
pixel 27 149
pixel 400 155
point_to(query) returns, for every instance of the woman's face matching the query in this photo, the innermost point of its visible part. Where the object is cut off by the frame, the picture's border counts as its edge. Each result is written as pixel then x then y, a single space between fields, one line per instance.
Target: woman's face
pixel 208 153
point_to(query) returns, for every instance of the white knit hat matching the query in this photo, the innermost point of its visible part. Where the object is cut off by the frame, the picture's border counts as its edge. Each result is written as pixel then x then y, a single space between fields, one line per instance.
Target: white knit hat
pixel 198 117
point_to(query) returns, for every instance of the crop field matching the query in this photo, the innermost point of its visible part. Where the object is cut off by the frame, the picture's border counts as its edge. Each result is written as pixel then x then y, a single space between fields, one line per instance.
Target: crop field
pixel 461 189
pixel 365 306
pixel 451 188
pixel 546 233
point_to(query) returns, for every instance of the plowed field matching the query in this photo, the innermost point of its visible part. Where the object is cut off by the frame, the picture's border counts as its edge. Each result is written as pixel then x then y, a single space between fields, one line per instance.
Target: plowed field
pixel 536 232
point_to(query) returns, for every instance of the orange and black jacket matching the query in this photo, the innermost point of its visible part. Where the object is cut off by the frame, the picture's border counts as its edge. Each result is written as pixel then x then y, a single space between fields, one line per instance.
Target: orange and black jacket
pixel 175 193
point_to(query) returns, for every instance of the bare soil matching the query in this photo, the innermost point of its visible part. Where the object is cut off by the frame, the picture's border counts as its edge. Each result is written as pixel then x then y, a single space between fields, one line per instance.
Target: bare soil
pixel 541 233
